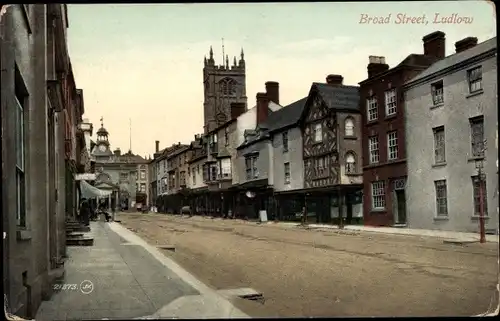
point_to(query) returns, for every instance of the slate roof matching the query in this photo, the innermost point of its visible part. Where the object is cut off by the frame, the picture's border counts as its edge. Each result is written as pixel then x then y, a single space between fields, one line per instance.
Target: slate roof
pixel 335 97
pixel 417 60
pixel 286 116
pixel 276 120
pixel 339 97
pixel 456 58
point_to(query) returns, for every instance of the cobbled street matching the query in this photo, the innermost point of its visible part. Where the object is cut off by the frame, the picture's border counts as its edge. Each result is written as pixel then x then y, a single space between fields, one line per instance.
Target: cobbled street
pixel 320 272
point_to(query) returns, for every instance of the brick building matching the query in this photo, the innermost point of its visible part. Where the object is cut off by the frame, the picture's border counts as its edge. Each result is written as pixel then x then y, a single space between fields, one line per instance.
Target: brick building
pixel 383 132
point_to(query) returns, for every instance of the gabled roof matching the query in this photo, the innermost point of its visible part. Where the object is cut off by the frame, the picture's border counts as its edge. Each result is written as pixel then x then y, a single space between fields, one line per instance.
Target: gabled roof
pixel 287 116
pixel 281 118
pixel 338 96
pixel 457 58
pixel 414 61
pixel 335 97
pixel 129 157
pixel 417 60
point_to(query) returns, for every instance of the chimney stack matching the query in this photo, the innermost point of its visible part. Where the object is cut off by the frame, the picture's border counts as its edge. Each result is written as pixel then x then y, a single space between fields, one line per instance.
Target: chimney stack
pixel 262 108
pixel 434 44
pixel 273 91
pixel 465 44
pixel 237 109
pixel 117 152
pixel 157 146
pixel 376 65
pixel 334 79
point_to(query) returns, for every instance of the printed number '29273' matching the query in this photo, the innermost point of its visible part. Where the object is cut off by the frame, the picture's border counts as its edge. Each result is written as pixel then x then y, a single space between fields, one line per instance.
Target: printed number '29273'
pixel 59 286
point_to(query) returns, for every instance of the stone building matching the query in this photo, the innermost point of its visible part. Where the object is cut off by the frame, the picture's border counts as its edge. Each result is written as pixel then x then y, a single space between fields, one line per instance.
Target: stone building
pixel 41 108
pixel 153 193
pixel 125 174
pixel 384 148
pixel 198 200
pixel 223 85
pixel 451 127
pixel 175 165
pixel 87 128
pixel 286 137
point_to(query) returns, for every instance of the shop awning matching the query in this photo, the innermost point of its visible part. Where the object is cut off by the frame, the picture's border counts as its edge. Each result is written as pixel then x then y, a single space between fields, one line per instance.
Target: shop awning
pixel 89 191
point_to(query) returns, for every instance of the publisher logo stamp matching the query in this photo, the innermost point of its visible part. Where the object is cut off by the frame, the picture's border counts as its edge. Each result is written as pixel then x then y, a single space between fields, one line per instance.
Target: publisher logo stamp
pixel 86 287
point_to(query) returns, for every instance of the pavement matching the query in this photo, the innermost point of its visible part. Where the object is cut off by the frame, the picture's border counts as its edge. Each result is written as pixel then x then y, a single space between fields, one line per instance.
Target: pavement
pixel 123 277
pixel 447 236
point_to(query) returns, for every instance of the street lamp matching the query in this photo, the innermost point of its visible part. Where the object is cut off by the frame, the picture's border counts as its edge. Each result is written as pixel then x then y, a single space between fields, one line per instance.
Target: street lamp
pixel 481 179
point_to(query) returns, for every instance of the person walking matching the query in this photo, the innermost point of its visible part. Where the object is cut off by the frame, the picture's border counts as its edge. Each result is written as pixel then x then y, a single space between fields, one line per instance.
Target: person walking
pixel 113 207
pixel 85 212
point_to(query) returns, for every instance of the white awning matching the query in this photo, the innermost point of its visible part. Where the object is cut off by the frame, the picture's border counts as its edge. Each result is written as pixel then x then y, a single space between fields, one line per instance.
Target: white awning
pixel 89 191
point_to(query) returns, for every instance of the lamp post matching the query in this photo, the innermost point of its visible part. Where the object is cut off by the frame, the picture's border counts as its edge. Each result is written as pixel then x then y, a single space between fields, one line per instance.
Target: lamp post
pixel 481 178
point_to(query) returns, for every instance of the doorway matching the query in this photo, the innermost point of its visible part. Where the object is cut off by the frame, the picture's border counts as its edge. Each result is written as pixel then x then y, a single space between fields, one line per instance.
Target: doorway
pixel 400 207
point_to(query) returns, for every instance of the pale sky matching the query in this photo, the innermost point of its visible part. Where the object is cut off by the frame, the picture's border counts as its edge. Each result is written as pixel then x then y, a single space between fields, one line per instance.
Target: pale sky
pixel 145 61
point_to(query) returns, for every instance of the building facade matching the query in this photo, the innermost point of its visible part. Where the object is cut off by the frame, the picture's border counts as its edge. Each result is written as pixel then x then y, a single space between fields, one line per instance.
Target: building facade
pixel 383 136
pixel 451 126
pixel 125 174
pixel 332 183
pixel 288 164
pixel 223 85
pixel 38 96
pixel 199 196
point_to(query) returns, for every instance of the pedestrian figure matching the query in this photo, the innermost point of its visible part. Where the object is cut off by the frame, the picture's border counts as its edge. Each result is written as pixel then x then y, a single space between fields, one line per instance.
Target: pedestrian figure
pixel 102 209
pixel 93 214
pixel 85 212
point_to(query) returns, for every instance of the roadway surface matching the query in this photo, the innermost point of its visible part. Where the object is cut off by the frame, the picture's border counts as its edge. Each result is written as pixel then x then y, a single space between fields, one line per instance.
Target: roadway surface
pixel 326 272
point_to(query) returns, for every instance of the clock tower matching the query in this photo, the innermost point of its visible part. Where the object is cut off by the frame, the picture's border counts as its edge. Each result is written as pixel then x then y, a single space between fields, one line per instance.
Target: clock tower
pixel 102 143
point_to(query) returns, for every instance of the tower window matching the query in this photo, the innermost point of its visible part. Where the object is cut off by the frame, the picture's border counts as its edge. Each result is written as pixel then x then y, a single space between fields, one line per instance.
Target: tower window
pixel 227 87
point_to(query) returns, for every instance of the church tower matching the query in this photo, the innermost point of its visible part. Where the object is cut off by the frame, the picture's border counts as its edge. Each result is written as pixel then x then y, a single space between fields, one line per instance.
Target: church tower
pixel 223 85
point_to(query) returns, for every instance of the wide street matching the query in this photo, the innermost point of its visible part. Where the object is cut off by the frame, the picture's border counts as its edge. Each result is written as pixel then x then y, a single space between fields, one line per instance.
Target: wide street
pixel 326 272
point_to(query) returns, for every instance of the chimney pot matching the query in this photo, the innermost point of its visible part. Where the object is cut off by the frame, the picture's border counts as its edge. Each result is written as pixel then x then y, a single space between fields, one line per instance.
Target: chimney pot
pixel 273 91
pixel 376 65
pixel 157 146
pixel 434 44
pixel 376 59
pixel 237 109
pixel 262 107
pixel 465 44
pixel 334 79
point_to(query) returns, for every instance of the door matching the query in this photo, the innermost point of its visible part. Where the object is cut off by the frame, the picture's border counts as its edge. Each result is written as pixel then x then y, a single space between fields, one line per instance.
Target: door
pixel 349 212
pixel 401 207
